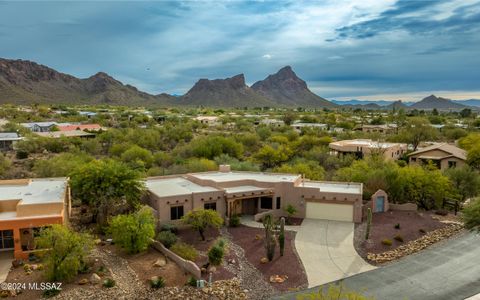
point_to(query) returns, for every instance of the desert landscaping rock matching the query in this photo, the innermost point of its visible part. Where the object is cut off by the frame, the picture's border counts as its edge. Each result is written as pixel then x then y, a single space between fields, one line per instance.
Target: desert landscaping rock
pixel 161 262
pixel 95 279
pixel 248 276
pixel 416 245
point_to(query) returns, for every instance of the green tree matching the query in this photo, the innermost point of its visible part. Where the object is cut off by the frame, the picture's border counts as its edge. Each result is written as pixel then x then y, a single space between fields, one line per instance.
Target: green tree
pixel 104 184
pixel 471 215
pixel 137 157
pixel 270 157
pixel 201 219
pixel 465 180
pixel 469 141
pixel 212 146
pixel 473 156
pixel 65 251
pixel 61 165
pixel 288 118
pixel 311 169
pixel 133 232
pixel 416 131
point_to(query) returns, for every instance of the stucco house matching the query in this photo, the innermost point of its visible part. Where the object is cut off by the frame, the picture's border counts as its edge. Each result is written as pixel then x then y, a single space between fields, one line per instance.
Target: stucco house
pixel 8 139
pixel 251 193
pixel 443 155
pixel 362 147
pixel 27 205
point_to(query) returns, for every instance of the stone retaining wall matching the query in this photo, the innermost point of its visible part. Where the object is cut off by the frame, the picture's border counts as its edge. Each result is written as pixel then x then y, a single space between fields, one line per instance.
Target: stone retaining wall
pixel 186 265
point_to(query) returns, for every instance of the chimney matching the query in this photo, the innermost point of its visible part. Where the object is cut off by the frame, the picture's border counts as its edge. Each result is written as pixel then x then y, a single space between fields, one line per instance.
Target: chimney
pixel 224 168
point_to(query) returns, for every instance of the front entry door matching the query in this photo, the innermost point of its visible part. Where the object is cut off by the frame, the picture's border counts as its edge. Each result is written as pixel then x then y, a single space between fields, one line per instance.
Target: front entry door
pixel 6 240
pixel 379 206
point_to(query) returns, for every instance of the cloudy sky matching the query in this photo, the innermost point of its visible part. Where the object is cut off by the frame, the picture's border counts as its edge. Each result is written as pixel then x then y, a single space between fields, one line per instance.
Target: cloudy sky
pixel 363 49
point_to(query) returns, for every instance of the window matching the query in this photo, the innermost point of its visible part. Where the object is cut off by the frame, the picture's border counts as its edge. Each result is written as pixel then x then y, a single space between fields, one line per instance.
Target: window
pixel 266 203
pixel 414 159
pixel 452 164
pixel 176 212
pixel 211 205
pixel 278 202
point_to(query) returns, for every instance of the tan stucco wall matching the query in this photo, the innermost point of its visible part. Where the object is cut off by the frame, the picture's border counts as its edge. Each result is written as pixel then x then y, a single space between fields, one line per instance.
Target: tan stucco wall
pixel 436 154
pixel 9 205
pixel 32 210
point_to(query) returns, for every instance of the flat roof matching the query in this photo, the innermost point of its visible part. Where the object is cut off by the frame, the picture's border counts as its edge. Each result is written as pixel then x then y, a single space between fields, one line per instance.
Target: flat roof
pixel 244 188
pixel 335 187
pixel 366 143
pixel 236 176
pixel 37 191
pixel 175 186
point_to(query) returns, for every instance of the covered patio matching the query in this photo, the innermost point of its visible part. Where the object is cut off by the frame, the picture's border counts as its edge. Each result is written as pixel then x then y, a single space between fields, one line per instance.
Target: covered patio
pixel 247 200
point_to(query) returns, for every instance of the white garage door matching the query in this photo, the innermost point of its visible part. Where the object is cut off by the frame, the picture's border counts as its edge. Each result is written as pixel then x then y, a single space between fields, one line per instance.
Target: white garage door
pixel 326 211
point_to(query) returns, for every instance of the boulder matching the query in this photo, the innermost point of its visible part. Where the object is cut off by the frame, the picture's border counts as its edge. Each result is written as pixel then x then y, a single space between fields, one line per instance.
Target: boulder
pixel 83 281
pixel 264 260
pixel 212 269
pixel 161 262
pixel 95 279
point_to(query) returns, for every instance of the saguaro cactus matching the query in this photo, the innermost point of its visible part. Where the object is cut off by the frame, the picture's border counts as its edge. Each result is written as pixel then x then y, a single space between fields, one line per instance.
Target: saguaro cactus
pixel 281 236
pixel 369 223
pixel 270 242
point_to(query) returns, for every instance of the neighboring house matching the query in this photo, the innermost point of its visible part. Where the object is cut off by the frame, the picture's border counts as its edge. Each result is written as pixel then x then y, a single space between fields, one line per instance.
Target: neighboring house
pixel 271 122
pixel 444 156
pixel 362 147
pixel 27 205
pixel 40 126
pixel 88 114
pixel 385 128
pixel 8 139
pixel 299 126
pixel 88 127
pixel 250 193
pixel 208 120
pixel 70 133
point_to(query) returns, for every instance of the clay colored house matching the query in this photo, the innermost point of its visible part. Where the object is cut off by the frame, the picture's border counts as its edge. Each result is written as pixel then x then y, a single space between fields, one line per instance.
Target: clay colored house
pixel 252 193
pixel 27 205
pixel 362 147
pixel 384 128
pixel 444 156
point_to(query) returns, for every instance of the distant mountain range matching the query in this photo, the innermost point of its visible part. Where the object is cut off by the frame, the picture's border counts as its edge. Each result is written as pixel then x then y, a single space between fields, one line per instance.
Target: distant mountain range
pixel 26 82
pixel 388 104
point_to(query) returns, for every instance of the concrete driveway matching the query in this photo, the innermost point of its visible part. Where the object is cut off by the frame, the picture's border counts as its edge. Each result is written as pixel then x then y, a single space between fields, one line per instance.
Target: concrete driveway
pixel 327 252
pixel 449 270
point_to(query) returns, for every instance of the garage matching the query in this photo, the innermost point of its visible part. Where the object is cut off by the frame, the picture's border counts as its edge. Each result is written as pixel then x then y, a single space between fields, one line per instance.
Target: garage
pixel 329 211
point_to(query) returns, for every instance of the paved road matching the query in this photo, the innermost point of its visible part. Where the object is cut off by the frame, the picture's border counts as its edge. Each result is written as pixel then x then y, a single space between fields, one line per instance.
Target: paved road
pixel 449 270
pixel 327 252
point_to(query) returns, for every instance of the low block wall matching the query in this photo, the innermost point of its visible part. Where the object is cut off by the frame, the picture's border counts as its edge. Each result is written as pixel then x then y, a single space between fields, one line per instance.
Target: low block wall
pixel 405 206
pixel 186 265
pixel 276 213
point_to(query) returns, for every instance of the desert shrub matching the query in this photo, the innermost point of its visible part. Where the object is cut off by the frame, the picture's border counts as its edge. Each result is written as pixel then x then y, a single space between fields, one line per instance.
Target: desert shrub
pixel 234 221
pixel 21 154
pixel 67 252
pixel 422 231
pixel 157 282
pixel 169 227
pixel 133 232
pixel 192 281
pixel 167 238
pixel 396 226
pixel 471 215
pixel 398 238
pixel 51 292
pixel 108 283
pixel 185 251
pixel 386 242
pixel 441 212
pixel 201 219
pixel 216 253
